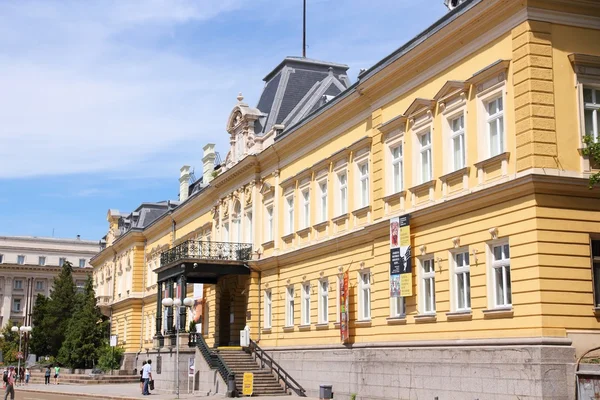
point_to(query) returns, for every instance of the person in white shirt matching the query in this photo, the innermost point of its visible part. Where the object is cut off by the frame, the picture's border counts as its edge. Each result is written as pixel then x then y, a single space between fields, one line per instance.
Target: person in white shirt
pixel 147 376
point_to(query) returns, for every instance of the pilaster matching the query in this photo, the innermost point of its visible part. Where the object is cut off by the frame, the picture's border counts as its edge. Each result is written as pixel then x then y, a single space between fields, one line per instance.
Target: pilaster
pixel 377 157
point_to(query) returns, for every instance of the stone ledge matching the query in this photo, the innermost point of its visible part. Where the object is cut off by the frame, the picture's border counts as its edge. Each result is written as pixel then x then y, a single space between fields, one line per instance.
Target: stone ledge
pixel 396 320
pixel 498 313
pixel 459 316
pixel 425 318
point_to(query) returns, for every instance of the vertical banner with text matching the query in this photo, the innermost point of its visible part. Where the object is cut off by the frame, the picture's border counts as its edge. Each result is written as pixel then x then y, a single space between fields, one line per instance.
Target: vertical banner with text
pixel 400 260
pixel 344 312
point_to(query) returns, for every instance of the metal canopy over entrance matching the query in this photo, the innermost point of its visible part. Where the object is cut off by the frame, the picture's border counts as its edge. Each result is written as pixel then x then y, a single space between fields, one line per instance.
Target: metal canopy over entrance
pixel 195 261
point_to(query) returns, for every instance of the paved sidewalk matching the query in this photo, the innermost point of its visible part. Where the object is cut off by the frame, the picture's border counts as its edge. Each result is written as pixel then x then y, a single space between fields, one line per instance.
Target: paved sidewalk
pixel 124 391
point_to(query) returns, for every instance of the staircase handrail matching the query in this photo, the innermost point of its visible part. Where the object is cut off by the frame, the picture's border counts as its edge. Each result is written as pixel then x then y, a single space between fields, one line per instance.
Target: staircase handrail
pixel 212 358
pixel 282 374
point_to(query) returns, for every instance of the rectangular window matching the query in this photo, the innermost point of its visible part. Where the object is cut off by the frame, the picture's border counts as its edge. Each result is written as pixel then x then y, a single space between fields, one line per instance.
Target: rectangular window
pixel 1 258
pixel 268 309
pixel 82 263
pixel 225 232
pixel 323 203
pixel 17 305
pixel 61 261
pixel 306 303
pixel 42 260
pixel 39 285
pixel 364 292
pixel 397 169
pixel 343 193
pixel 427 286
pixel 323 301
pixel 305 209
pixel 591 111
pixel 20 260
pixel 462 281
pixel 495 126
pixel 289 221
pixel 397 307
pixel 363 171
pixel 269 223
pixel 596 271
pixel 18 284
pixel 425 150
pixel 501 275
pixel 249 227
pixel 457 125
pixel 289 307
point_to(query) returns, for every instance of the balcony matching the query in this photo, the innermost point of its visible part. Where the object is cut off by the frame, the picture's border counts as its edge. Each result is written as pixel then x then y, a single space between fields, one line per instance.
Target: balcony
pixel 104 303
pixel 205 250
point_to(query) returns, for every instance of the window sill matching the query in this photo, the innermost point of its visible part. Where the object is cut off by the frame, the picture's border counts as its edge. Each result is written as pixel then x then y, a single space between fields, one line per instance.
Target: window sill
pixel 322 326
pixel 459 316
pixel 394 196
pixel 498 313
pixel 321 225
pixel 597 311
pixel 363 323
pixel 340 218
pixel 336 325
pixel 362 211
pixel 425 185
pixel 266 330
pixel 268 245
pixel 425 318
pixel 492 160
pixel 303 231
pixel 288 329
pixel 288 237
pixel 304 328
pixel 396 320
pixel 454 174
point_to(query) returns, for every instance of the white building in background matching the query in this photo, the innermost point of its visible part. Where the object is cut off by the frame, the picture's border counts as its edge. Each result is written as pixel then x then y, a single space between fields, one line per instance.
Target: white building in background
pixel 28 265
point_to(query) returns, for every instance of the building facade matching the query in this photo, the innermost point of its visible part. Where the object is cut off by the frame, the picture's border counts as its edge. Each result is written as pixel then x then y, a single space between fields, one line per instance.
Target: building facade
pixel 28 265
pixel 474 130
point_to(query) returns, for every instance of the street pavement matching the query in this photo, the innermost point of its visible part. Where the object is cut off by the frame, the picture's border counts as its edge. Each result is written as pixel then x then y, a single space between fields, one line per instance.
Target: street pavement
pixel 125 391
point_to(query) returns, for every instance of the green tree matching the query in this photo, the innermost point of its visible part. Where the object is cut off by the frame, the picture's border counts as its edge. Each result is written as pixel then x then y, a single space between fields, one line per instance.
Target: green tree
pixel 110 357
pixel 10 344
pixel 592 150
pixel 84 334
pixel 59 309
pixel 38 342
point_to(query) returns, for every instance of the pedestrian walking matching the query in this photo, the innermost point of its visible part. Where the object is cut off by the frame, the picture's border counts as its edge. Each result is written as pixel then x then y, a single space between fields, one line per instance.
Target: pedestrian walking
pixel 56 374
pixel 10 384
pixel 142 377
pixel 4 377
pixel 47 375
pixel 27 375
pixel 147 375
pixel 21 376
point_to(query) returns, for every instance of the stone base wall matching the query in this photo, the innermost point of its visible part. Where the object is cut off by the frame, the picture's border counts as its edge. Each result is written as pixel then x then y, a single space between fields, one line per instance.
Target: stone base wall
pixel 528 372
pixel 165 381
pixel 208 381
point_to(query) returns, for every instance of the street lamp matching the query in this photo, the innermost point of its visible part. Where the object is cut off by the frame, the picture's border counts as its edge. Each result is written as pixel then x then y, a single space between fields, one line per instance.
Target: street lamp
pixel 21 330
pixel 169 302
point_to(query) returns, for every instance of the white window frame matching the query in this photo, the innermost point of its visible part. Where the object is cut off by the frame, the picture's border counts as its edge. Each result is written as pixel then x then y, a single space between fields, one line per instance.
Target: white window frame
pixel 427 280
pixel 425 151
pixel 80 262
pixel 323 203
pixel 225 232
pixel 496 119
pixel 364 295
pixel 397 168
pixel 62 261
pixel 397 307
pixel 268 309
pixel 42 260
pixel 20 259
pixel 594 107
pixel 289 306
pixel 17 301
pixel 362 181
pixel 305 197
pixel 19 286
pixel 269 221
pixel 342 191
pixel 323 301
pixel 491 93
pixel 460 134
pixel 248 226
pixel 289 213
pixel 504 265
pixel 305 320
pixel 463 270
pixel 39 285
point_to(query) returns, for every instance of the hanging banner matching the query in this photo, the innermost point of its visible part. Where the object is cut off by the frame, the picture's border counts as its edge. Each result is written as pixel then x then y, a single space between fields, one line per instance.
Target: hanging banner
pixel 344 311
pixel 400 261
pixel 198 303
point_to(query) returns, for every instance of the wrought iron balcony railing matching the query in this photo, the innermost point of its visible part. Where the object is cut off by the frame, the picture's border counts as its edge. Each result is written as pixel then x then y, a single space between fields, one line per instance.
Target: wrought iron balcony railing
pixel 207 250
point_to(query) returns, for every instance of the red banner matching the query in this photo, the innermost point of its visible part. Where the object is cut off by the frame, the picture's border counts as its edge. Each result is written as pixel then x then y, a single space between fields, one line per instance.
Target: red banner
pixel 344 312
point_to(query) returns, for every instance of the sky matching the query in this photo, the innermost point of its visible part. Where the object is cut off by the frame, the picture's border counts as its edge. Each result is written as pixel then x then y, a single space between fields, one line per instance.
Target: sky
pixel 101 102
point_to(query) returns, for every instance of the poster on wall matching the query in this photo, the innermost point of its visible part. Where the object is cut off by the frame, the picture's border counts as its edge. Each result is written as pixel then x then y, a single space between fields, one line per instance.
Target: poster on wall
pixel 191 366
pixel 344 312
pixel 400 253
pixel 198 308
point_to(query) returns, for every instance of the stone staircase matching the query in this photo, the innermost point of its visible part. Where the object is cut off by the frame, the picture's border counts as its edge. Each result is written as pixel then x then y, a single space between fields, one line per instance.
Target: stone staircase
pixel 82 379
pixel 265 383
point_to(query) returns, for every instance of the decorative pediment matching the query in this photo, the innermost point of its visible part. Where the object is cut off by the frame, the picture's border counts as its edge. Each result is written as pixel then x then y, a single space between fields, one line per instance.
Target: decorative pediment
pixel 241 113
pixel 398 122
pixel 266 188
pixel 585 64
pixel 496 70
pixel 450 90
pixel 419 107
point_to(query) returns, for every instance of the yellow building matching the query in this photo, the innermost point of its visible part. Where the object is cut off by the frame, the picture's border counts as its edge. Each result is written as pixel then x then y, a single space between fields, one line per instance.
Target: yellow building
pixel 474 130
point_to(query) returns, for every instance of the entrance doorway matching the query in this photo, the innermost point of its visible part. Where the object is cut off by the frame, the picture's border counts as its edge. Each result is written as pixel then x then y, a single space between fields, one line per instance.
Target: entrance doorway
pixel 232 292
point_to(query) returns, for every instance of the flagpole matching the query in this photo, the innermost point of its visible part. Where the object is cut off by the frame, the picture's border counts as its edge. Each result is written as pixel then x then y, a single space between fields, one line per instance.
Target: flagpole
pixel 304 30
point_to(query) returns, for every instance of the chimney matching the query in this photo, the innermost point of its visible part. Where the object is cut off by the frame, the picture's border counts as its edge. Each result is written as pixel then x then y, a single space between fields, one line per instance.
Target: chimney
pixel 208 163
pixel 184 183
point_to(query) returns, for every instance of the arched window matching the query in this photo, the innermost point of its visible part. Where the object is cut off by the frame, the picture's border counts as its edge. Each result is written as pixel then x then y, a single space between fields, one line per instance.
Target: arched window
pixel 237 222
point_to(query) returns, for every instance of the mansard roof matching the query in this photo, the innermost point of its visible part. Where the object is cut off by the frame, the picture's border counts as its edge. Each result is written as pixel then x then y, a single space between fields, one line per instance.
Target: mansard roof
pixel 295 88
